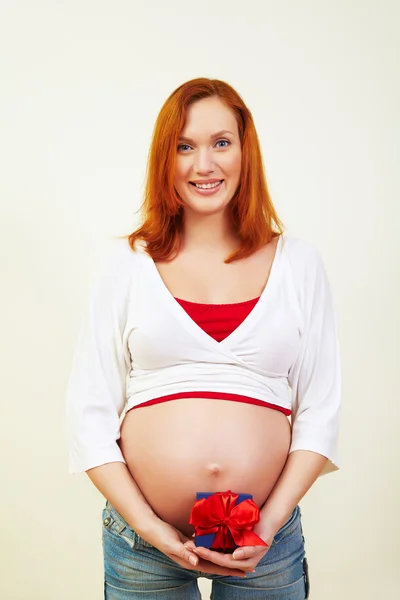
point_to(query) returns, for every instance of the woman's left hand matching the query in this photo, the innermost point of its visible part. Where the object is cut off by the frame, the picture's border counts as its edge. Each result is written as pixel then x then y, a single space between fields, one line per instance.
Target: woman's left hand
pixel 245 558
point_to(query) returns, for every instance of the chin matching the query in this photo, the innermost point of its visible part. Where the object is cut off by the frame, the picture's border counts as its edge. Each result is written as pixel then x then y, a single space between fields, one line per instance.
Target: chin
pixel 205 209
pixel 206 206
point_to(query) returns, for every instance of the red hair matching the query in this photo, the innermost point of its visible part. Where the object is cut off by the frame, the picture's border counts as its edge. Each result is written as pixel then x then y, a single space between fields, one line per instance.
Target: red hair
pixel 251 209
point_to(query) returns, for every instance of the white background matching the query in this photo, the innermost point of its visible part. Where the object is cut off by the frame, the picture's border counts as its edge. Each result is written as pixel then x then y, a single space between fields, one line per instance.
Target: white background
pixel 81 85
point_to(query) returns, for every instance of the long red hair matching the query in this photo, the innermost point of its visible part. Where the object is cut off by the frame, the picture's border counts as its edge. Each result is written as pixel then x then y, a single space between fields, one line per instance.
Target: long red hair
pixel 251 209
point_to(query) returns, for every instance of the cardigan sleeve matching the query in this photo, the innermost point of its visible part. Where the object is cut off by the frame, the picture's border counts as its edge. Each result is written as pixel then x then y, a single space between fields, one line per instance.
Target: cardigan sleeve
pixel 96 389
pixel 315 377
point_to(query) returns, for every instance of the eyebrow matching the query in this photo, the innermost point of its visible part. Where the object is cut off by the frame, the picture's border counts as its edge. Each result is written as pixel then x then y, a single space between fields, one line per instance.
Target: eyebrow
pixel 182 138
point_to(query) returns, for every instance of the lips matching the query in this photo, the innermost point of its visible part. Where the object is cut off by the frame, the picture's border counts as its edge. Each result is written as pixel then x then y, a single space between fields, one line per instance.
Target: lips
pixel 209 191
pixel 212 183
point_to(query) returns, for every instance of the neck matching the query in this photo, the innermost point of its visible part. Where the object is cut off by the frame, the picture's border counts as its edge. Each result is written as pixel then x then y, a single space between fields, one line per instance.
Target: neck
pixel 208 233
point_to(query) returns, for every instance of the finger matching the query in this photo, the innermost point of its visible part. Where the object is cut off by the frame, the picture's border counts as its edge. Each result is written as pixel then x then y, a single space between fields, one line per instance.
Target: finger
pixel 226 560
pixel 186 554
pixel 207 567
pixel 218 558
pixel 190 544
pixel 248 552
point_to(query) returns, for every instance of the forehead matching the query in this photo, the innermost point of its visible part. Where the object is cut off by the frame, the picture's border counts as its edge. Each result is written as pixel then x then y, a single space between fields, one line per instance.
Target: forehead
pixel 208 115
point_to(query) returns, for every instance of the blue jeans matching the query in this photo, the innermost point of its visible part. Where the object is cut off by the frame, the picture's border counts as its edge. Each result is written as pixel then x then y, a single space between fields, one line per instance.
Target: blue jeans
pixel 134 569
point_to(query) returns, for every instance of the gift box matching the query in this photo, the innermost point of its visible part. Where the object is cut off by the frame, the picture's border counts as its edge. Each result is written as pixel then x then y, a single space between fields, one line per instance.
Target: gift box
pixel 224 521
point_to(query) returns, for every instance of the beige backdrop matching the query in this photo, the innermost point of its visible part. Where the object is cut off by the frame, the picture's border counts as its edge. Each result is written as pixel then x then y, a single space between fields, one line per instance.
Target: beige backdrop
pixel 81 84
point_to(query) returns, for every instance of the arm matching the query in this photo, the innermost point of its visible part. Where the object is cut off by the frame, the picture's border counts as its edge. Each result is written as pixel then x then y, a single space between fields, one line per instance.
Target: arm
pixel 96 390
pixel 315 380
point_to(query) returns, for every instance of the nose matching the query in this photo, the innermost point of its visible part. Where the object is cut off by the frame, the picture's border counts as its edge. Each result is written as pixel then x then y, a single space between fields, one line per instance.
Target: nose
pixel 204 162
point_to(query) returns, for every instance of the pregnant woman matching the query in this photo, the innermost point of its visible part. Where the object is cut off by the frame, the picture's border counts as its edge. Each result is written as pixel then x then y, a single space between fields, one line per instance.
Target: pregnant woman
pixel 208 362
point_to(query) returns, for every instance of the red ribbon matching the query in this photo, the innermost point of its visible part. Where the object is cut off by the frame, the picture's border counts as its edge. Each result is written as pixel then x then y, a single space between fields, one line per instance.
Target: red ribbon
pixel 232 523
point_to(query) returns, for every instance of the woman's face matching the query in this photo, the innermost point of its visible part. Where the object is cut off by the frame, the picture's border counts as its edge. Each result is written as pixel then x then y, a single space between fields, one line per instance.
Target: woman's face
pixel 209 152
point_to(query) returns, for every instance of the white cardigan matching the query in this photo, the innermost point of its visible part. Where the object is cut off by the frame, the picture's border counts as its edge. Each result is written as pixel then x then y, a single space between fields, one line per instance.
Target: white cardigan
pixel 137 343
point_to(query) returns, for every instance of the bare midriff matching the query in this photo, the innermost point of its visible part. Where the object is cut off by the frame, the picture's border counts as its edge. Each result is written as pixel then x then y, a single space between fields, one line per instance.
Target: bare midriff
pixel 177 448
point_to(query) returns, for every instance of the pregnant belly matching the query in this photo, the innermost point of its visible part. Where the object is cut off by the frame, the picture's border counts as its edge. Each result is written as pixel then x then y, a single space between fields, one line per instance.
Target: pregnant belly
pixel 177 448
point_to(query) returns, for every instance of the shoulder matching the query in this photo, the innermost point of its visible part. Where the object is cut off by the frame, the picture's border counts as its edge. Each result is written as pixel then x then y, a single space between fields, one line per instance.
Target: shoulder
pixel 300 255
pixel 116 266
pixel 119 255
pixel 305 268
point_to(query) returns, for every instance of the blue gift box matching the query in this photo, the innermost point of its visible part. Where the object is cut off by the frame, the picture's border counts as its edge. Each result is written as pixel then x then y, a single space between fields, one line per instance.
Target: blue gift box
pixel 207 540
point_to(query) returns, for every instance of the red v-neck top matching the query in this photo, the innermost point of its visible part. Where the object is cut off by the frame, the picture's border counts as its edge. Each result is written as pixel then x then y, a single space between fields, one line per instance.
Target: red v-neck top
pixel 218 321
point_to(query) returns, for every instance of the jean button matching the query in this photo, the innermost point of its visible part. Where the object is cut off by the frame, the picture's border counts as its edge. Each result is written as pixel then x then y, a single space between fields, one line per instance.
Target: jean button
pixel 107 521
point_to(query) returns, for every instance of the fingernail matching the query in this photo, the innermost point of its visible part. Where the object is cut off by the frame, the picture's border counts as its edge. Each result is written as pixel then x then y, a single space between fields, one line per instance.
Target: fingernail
pixel 238 554
pixel 193 560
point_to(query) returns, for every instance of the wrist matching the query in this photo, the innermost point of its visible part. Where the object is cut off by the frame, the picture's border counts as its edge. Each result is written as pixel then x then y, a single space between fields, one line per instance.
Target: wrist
pixel 272 518
pixel 148 528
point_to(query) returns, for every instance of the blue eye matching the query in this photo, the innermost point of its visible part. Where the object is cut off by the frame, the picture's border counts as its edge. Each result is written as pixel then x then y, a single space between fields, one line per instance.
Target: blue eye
pixel 224 142
pixel 181 146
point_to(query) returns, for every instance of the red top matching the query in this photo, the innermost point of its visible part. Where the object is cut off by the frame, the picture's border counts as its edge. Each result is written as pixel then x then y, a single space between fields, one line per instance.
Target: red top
pixel 218 321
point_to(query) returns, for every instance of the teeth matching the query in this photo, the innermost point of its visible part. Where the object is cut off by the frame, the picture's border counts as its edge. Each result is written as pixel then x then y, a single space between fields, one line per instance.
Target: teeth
pixel 207 186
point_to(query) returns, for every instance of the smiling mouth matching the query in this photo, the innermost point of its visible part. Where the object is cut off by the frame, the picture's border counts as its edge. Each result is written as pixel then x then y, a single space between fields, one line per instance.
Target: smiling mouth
pixel 206 186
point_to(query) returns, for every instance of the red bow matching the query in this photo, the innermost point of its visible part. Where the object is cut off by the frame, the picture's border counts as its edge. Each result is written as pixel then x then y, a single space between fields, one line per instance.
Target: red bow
pixel 232 523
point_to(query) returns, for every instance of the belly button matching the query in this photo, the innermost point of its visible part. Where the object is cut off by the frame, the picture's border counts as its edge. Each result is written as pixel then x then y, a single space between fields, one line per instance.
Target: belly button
pixel 214 469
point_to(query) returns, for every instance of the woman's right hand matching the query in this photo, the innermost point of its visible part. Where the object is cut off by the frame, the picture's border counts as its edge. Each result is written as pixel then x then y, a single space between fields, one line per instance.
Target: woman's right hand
pixel 179 548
